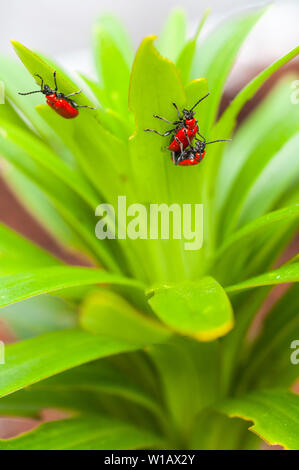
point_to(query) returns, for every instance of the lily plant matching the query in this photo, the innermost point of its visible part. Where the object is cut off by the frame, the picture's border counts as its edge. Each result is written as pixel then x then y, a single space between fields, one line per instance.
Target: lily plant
pixel 150 345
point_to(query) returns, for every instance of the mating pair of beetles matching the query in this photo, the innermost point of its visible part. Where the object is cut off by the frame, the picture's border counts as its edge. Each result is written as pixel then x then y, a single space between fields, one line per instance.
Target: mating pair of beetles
pixel 185 131
pixel 182 135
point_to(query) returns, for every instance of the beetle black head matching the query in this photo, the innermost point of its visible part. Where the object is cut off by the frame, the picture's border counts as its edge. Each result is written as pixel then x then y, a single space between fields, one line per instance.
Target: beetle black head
pixel 47 90
pixel 200 146
pixel 188 114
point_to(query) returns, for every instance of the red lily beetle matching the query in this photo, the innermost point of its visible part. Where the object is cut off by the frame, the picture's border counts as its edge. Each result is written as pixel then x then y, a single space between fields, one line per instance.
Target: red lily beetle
pixel 193 155
pixel 60 103
pixel 185 130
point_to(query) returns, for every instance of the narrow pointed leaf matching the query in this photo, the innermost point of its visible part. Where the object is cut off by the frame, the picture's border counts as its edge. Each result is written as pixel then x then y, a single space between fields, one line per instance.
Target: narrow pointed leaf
pixel 100 377
pixel 215 58
pixel 18 253
pixel 37 65
pixel 186 57
pixel 42 281
pixel 113 60
pixel 155 85
pixel 30 402
pixel 228 120
pixel 286 274
pixel 254 248
pixel 36 359
pixel 76 212
pixel 266 135
pixel 173 37
pixel 83 434
pixel 269 362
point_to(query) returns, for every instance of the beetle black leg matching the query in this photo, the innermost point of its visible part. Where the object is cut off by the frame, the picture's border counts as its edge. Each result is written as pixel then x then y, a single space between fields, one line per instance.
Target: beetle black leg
pixel 89 107
pixel 187 137
pixel 73 94
pixel 165 120
pixel 177 109
pixel 180 144
pixel 166 134
pixel 55 81
pixel 201 136
pixel 178 159
pixel 42 81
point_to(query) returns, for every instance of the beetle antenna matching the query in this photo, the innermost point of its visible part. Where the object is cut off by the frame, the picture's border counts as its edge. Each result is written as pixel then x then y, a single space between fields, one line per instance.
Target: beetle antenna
pixel 223 140
pixel 55 80
pixel 30 93
pixel 200 101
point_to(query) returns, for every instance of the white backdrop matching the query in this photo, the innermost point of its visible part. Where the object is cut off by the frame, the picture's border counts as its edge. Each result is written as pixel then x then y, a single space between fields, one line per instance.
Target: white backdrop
pixel 62 28
pixel 65 25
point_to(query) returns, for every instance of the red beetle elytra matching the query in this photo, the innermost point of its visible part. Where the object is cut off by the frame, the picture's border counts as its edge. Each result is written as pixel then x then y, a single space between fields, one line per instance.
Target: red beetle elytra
pixel 60 103
pixel 193 155
pixel 185 130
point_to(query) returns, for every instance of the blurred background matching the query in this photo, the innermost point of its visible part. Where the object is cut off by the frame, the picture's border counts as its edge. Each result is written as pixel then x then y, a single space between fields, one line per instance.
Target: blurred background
pixel 63 29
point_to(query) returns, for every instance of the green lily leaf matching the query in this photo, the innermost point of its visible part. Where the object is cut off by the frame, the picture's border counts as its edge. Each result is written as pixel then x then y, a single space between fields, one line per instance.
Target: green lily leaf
pixel 173 37
pixel 36 359
pixel 197 365
pixel 38 316
pixel 17 252
pixel 38 204
pixel 213 430
pixel 17 79
pixel 83 434
pixel 103 377
pixel 186 57
pixel 199 309
pixel 8 113
pixel 247 250
pixel 45 280
pixel 113 58
pixel 115 27
pixel 262 197
pixel 152 93
pixel 75 211
pixel 268 409
pixel 269 361
pixel 228 120
pixel 287 273
pixel 36 65
pixel 257 151
pixel 108 314
pixel 85 132
pixel 30 402
pixel 47 159
pixel 215 57
pixel 155 84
